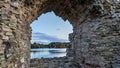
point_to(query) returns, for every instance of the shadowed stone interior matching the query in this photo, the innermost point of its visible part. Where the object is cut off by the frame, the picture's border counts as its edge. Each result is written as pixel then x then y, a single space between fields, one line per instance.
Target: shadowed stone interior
pixel 95 39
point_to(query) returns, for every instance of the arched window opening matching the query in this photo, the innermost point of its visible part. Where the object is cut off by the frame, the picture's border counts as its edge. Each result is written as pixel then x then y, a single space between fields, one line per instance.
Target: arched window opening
pixel 49 36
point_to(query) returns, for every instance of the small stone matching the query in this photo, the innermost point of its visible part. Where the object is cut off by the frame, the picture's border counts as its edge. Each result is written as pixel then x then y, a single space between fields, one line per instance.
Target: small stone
pixel 22 60
pixel 115 34
pixel 5 37
pixel 1 41
pixel 9 33
pixel 1 52
pixel 1 5
pixel 14 4
pixel 6 29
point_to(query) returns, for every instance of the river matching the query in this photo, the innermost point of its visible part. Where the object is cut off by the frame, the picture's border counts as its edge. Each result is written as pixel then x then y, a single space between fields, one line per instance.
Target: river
pixel 47 52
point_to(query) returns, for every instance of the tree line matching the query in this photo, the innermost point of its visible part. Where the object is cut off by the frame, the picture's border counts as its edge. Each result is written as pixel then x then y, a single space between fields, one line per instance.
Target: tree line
pixel 51 45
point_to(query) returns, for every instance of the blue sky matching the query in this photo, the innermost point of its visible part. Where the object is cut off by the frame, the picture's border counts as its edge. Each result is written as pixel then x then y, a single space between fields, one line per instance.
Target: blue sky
pixel 50 28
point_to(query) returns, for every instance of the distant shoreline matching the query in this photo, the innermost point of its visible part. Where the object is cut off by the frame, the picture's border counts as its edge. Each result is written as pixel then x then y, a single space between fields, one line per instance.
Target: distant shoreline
pixel 51 45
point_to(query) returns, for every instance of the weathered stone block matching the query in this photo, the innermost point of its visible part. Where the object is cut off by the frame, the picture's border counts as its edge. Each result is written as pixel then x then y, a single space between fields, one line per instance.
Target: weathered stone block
pixel 8 33
pixel 14 4
pixel 6 29
pixel 5 37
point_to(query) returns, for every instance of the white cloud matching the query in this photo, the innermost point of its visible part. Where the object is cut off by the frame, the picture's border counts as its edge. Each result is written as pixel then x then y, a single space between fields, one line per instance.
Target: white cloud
pixel 40 41
pixel 45 39
pixel 63 37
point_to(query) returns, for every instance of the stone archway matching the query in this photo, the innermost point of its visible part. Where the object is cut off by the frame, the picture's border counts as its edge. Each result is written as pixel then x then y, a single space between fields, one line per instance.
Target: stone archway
pixel 95 38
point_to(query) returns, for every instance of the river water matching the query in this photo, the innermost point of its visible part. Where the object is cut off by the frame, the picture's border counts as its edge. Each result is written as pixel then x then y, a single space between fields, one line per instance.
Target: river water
pixel 47 52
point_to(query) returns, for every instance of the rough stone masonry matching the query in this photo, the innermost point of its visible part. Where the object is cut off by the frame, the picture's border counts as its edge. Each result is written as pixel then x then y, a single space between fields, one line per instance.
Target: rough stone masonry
pixel 96 31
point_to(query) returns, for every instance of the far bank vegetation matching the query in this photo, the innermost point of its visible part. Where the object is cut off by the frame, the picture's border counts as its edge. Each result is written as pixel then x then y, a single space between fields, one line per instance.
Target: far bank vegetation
pixel 51 45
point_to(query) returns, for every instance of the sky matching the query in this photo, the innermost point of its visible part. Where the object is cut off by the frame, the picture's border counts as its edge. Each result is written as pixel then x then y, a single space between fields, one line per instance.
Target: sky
pixel 50 28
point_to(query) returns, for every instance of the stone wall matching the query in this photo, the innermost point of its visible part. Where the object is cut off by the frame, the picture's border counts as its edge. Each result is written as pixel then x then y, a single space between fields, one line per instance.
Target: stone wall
pixel 96 41
pixel 96 31
pixel 14 35
pixel 63 62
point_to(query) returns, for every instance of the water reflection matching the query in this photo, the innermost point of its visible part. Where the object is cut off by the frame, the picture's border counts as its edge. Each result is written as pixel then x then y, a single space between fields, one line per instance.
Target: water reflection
pixel 48 52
